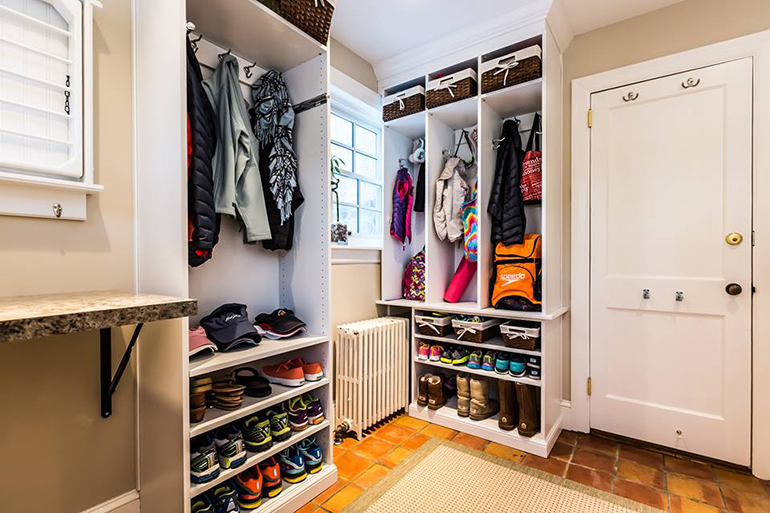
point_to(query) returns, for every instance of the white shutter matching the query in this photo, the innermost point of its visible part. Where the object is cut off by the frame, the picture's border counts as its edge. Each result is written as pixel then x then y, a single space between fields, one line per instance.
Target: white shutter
pixel 41 87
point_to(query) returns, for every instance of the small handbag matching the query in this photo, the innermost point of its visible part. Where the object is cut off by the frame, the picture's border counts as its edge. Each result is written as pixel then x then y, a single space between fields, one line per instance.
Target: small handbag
pixel 532 166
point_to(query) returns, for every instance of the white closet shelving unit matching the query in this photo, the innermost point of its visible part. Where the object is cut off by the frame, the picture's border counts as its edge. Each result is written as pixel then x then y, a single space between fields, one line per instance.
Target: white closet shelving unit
pixel 237 273
pixel 441 127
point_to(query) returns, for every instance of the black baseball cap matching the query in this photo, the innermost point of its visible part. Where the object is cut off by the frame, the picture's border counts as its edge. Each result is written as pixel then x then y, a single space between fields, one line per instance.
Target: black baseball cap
pixel 280 321
pixel 228 326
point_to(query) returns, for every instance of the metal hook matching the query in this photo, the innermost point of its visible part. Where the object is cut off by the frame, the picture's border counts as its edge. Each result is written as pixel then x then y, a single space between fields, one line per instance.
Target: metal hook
pixel 631 96
pixel 194 43
pixel 690 82
pixel 223 55
pixel 247 70
pixel 497 142
pixel 402 162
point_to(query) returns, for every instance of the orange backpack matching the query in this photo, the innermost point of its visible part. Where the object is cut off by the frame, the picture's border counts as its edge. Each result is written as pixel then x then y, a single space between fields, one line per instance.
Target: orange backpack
pixel 517 275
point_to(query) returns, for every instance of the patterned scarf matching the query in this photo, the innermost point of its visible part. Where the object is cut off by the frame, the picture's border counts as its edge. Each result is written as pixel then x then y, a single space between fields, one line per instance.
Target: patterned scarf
pixel 272 118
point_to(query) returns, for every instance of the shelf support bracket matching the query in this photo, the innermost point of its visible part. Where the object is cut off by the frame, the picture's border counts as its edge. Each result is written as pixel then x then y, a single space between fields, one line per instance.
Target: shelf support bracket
pixel 109 383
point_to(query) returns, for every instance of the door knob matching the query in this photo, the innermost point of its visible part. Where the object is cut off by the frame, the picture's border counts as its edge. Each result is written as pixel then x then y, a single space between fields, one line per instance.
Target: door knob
pixel 733 289
pixel 734 238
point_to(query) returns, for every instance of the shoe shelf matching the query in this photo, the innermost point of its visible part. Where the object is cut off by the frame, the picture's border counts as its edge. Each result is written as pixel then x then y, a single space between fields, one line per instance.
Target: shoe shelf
pixel 480 372
pixel 296 495
pixel 493 344
pixel 216 417
pixel 473 309
pixel 488 429
pixel 255 458
pixel 266 349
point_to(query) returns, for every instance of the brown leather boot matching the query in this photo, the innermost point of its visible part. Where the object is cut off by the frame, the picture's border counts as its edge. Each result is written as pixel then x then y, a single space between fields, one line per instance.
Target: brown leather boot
pixel 463 394
pixel 482 407
pixel 436 397
pixel 422 396
pixel 529 412
pixel 509 407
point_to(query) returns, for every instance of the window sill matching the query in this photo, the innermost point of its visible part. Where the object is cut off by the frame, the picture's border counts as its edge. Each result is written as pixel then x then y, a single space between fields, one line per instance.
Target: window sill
pixel 37 196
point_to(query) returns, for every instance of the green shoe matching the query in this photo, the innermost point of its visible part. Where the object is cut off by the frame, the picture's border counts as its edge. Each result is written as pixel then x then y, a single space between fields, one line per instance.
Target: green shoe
pixel 279 425
pixel 460 356
pixel 256 434
pixel 446 356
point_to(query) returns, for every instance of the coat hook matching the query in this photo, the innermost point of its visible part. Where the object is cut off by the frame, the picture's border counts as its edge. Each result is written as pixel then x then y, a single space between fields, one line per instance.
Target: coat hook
pixel 223 55
pixel 247 70
pixel 690 82
pixel 194 43
pixel 631 96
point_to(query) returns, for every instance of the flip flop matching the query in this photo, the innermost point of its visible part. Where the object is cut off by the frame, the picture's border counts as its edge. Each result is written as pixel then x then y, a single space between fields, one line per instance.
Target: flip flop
pixel 256 385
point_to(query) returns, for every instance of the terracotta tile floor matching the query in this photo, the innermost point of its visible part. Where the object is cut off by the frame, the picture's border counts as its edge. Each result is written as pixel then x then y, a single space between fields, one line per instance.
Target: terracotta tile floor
pixel 664 482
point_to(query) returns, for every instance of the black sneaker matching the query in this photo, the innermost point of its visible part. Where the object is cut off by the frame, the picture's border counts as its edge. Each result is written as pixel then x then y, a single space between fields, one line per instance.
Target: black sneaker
pixel 256 434
pixel 448 355
pixel 279 425
pixel 460 356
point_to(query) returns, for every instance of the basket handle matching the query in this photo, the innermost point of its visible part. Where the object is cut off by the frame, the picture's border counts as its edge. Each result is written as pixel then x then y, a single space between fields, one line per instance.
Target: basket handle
pixel 506 65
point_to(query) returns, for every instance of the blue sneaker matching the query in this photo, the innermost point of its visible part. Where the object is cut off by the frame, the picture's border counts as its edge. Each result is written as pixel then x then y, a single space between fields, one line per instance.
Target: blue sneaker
pixel 518 366
pixel 225 498
pixel 533 367
pixel 230 448
pixel 201 504
pixel 204 465
pixel 314 456
pixel 502 363
pixel 293 465
pixel 488 363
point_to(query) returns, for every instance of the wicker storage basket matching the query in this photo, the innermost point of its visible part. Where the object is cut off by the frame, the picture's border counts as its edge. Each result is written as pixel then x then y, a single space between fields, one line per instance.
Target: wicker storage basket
pixel 314 17
pixel 433 326
pixel 477 332
pixel 403 104
pixel 522 335
pixel 515 68
pixel 456 87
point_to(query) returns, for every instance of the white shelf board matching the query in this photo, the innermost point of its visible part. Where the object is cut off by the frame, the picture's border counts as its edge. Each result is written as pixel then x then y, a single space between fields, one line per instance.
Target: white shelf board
pixel 516 100
pixel 488 429
pixel 255 458
pixel 216 417
pixel 252 31
pixel 493 344
pixel 480 372
pixel 473 308
pixel 297 495
pixel 457 115
pixel 411 126
pixel 265 349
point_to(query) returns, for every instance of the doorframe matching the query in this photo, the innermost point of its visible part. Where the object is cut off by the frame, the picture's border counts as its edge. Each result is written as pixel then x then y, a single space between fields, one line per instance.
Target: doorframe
pixel 756 46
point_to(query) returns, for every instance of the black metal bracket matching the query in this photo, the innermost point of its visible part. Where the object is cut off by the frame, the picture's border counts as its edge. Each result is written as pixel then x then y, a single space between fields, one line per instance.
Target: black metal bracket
pixel 109 383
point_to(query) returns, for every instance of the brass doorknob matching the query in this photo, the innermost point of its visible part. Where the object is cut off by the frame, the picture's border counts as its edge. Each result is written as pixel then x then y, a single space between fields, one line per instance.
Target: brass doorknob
pixel 733 289
pixel 734 238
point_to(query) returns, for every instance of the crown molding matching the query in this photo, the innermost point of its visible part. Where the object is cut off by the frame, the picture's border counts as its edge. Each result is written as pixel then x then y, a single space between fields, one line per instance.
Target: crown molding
pixel 458 46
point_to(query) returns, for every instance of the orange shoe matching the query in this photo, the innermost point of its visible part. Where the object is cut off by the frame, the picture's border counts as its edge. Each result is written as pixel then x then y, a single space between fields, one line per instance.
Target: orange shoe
pixel 271 477
pixel 249 486
pixel 312 371
pixel 288 373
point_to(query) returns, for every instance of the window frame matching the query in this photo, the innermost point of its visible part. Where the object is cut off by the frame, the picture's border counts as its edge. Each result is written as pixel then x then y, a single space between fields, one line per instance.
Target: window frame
pixel 355 239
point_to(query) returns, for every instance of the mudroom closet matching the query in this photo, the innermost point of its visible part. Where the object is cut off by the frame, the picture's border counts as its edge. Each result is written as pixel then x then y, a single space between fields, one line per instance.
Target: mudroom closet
pixel 461 110
pixel 260 274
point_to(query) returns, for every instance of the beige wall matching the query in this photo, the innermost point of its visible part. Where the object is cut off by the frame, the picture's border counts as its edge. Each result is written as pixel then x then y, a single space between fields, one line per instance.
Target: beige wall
pixel 351 64
pixel 59 454
pixel 683 26
pixel 355 288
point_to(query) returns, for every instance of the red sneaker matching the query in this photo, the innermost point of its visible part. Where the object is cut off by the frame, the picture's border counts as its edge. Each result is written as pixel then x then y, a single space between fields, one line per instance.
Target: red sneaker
pixel 312 371
pixel 249 485
pixel 271 477
pixel 288 373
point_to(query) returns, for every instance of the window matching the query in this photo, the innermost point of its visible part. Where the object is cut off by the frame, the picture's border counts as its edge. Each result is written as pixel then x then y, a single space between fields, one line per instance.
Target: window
pixel 360 190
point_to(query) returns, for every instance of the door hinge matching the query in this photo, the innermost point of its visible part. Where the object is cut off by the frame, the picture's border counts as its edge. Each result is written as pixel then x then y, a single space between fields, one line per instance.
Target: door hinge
pixel 588 386
pixel 590 118
pixel 753 238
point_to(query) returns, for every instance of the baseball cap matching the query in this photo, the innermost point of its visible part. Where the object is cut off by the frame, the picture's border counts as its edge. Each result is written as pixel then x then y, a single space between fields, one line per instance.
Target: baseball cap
pixel 228 326
pixel 199 343
pixel 281 321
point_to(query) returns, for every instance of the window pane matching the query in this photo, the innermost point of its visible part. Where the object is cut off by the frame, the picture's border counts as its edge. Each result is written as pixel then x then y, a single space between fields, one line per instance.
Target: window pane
pixel 349 216
pixel 371 197
pixel 366 166
pixel 348 190
pixel 346 156
pixel 366 140
pixel 371 224
pixel 342 130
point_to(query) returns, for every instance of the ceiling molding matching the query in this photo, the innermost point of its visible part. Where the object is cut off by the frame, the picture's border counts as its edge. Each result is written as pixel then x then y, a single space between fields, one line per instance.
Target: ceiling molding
pixel 415 60
pixel 560 25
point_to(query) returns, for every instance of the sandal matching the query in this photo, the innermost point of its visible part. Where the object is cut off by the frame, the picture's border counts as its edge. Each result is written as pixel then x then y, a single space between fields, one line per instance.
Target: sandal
pixel 256 385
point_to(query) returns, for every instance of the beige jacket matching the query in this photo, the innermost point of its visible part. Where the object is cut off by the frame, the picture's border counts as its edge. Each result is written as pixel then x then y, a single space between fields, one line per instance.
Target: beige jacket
pixel 451 192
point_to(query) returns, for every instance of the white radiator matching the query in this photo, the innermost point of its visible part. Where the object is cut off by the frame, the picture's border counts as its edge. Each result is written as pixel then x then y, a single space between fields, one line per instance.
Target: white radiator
pixel 371 362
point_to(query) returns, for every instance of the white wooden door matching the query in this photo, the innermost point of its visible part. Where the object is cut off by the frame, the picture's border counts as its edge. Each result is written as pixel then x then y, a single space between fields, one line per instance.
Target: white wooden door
pixel 670 179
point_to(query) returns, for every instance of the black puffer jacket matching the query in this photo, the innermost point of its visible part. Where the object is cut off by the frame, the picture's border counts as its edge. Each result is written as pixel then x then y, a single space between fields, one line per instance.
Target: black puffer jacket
pixel 203 221
pixel 506 204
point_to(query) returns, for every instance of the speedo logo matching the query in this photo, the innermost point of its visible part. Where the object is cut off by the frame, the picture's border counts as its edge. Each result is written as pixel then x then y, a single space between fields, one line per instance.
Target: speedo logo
pixel 230 317
pixel 512 278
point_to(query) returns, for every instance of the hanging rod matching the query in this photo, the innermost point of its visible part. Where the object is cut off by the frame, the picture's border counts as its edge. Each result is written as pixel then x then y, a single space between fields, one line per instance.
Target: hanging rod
pixel 312 103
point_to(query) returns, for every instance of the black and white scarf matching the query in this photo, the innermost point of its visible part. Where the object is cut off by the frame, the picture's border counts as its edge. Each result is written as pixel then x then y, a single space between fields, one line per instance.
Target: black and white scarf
pixel 272 118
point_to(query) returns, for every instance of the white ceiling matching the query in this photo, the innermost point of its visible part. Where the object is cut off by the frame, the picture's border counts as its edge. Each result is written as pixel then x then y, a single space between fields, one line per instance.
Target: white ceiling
pixel 378 29
pixel 587 15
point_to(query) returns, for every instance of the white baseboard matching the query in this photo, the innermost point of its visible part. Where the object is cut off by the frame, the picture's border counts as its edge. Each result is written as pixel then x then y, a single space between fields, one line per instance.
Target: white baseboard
pixel 126 503
pixel 566 415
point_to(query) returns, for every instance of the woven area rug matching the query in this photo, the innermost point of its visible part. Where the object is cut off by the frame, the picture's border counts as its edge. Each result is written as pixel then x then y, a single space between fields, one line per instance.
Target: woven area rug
pixel 446 477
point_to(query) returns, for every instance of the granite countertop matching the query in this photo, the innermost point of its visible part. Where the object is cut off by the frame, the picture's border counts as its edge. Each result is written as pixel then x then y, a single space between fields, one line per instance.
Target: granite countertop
pixel 26 317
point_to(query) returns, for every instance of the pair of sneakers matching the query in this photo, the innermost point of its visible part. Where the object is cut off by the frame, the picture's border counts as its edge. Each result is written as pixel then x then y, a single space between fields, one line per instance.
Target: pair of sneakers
pixel 510 364
pixel 430 352
pixel 482 360
pixel 259 482
pixel 304 410
pixel 211 452
pixel 221 499
pixel 455 355
pixel 300 460
pixel 293 373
